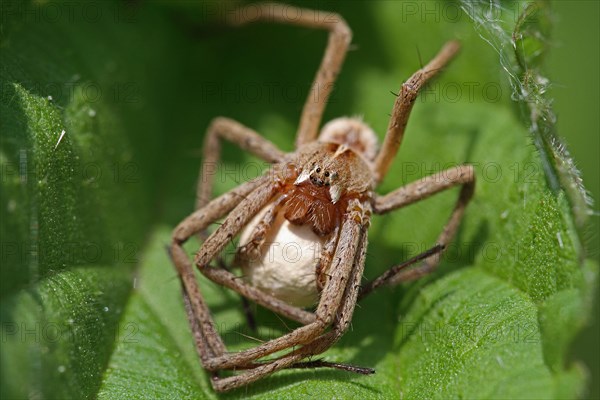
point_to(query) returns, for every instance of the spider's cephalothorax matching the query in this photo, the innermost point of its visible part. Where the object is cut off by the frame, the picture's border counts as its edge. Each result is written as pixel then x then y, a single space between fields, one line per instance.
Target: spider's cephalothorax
pixel 285 260
pixel 302 226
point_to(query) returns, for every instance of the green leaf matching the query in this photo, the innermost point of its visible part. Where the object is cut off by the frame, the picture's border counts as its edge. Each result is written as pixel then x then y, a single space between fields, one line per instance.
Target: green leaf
pixel 91 305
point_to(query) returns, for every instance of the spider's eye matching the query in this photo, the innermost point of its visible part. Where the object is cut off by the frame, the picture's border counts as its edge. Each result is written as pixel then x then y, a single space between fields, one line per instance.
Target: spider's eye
pixel 318 170
pixel 327 174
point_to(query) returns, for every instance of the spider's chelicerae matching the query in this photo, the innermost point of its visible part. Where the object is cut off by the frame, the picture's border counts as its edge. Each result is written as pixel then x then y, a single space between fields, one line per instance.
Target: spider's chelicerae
pixel 321 194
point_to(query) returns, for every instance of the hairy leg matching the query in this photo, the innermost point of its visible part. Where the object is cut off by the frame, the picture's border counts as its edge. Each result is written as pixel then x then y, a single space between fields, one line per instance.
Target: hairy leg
pixel 198 221
pixel 228 129
pixel 462 175
pixel 325 260
pixel 387 276
pixel 404 104
pixel 340 37
pixel 251 249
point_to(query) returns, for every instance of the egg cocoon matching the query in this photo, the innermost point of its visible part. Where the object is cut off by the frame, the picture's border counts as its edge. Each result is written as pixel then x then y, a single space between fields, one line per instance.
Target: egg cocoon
pixel 285 265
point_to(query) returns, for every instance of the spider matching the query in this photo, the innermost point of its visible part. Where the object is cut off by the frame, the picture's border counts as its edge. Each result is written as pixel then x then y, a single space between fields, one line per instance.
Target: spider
pixel 322 193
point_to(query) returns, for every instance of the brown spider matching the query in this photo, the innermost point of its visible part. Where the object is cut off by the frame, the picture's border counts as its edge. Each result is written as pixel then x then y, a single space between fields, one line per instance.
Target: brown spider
pixel 322 193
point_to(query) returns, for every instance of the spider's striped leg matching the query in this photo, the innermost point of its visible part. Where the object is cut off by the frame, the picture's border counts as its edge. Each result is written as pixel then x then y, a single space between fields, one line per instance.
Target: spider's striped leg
pixel 228 129
pixel 340 37
pixel 343 316
pixel 327 252
pixel 404 104
pixel 208 341
pixel 250 250
pixel 384 279
pixel 461 175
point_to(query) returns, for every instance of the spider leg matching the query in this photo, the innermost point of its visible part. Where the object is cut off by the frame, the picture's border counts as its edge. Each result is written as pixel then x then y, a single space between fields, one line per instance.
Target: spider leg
pixel 340 366
pixel 419 190
pixel 251 249
pixel 204 346
pixel 233 131
pixel 325 260
pixel 214 210
pixel 385 278
pixel 228 129
pixel 340 37
pixel 246 306
pixel 249 314
pixel 343 316
pixel 209 342
pixel 404 104
pixel 335 308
